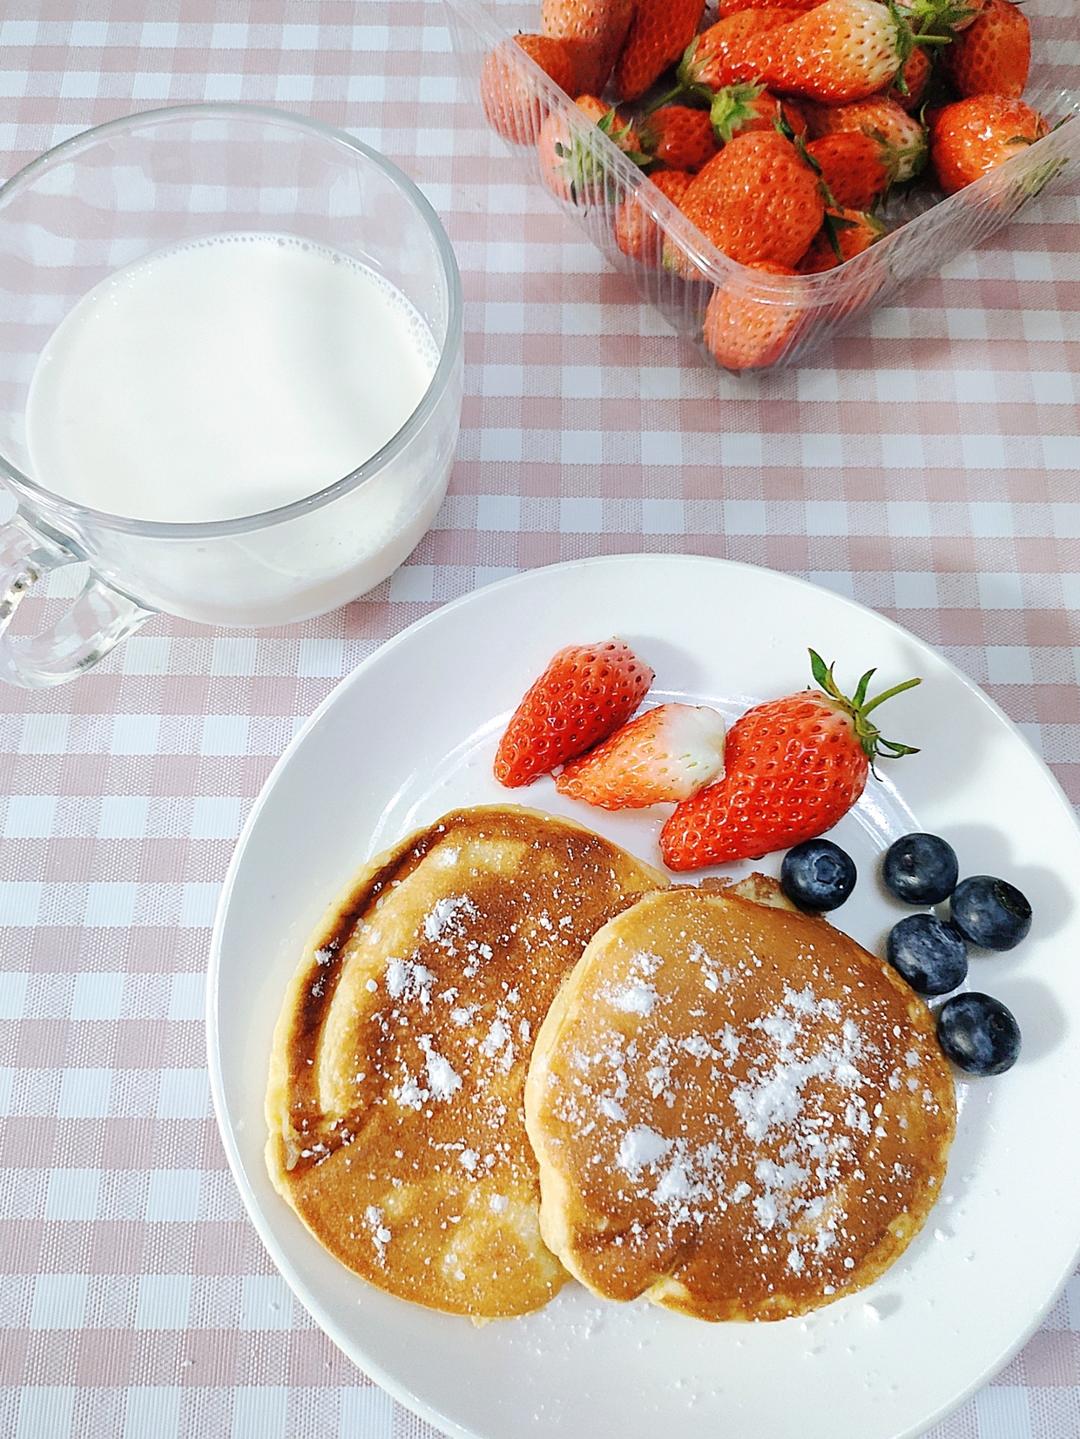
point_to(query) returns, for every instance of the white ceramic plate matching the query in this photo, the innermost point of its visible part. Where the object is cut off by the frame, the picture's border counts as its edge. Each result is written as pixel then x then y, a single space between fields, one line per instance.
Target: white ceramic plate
pixel 411 734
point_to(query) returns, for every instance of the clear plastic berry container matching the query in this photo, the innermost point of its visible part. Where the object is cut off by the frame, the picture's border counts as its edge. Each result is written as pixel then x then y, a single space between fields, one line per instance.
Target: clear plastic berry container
pixel 926 230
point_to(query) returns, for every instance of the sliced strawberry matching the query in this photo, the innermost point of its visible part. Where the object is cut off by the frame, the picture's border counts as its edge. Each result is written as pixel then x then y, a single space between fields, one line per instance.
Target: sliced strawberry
pixel 794 767
pixel 666 754
pixel 585 694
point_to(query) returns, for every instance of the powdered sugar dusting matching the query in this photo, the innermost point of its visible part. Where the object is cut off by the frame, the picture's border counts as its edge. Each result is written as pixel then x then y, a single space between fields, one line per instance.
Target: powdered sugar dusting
pixel 409 1093
pixel 407 979
pixel 793 1152
pixel 413 1072
pixel 380 1234
pixel 442 1079
pixel 635 998
pixel 498 1043
pixel 444 922
pixel 641 1146
pixel 773 1098
pixel 638 995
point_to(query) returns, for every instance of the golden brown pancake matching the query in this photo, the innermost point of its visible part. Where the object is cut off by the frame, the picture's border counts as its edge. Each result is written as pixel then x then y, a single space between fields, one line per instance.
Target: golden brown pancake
pixel 738 1112
pixel 395 1097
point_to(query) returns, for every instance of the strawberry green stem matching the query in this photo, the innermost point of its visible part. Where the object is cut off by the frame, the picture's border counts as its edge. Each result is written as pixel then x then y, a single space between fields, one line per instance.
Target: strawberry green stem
pixel 672 95
pixel 732 107
pixel 888 694
pixel 859 708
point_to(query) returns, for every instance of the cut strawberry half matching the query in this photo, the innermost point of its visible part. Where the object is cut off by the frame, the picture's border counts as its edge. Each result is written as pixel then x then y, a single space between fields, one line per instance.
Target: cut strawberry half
pixel 666 754
pixel 584 695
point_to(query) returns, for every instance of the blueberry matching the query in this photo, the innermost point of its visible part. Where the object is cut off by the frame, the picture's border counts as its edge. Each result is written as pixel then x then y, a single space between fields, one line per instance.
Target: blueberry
pixel 817 874
pixel 930 954
pixel 990 912
pixel 920 869
pixel 978 1033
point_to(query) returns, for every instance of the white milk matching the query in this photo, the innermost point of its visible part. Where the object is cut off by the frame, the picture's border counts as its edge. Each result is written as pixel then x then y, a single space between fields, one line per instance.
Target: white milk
pixel 224 378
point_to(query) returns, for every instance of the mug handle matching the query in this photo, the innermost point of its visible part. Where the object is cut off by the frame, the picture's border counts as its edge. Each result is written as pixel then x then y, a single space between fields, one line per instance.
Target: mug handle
pixel 98 618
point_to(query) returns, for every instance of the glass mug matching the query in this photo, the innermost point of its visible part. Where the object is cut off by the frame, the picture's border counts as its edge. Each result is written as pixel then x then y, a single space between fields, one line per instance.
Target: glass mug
pixel 145 183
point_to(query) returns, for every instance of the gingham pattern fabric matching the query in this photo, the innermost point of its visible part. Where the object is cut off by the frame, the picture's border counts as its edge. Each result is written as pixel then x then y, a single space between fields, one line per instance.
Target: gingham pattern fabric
pixel 927 465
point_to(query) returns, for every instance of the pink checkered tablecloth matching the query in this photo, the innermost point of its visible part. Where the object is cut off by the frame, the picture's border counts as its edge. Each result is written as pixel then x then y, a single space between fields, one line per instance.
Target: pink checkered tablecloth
pixel 928 465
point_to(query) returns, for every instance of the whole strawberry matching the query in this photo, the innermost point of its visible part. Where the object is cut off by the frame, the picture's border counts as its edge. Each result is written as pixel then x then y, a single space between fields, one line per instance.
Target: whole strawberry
pixel 974 136
pixel 665 755
pixel 659 33
pixel 510 101
pixel 756 200
pixel 841 50
pixel 637 232
pixel 881 118
pixel 585 694
pixel 738 108
pixel 993 57
pixel 794 767
pixel 750 324
pixel 570 166
pixel 717 57
pixel 857 169
pixel 679 137
pixel 598 28
pixel 852 232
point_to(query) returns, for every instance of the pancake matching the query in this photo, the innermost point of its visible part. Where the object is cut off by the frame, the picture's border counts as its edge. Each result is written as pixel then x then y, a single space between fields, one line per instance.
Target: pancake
pixel 737 1111
pixel 395 1102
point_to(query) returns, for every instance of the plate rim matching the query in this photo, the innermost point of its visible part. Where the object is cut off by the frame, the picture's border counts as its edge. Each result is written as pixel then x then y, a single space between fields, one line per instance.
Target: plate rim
pixel 372 1369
